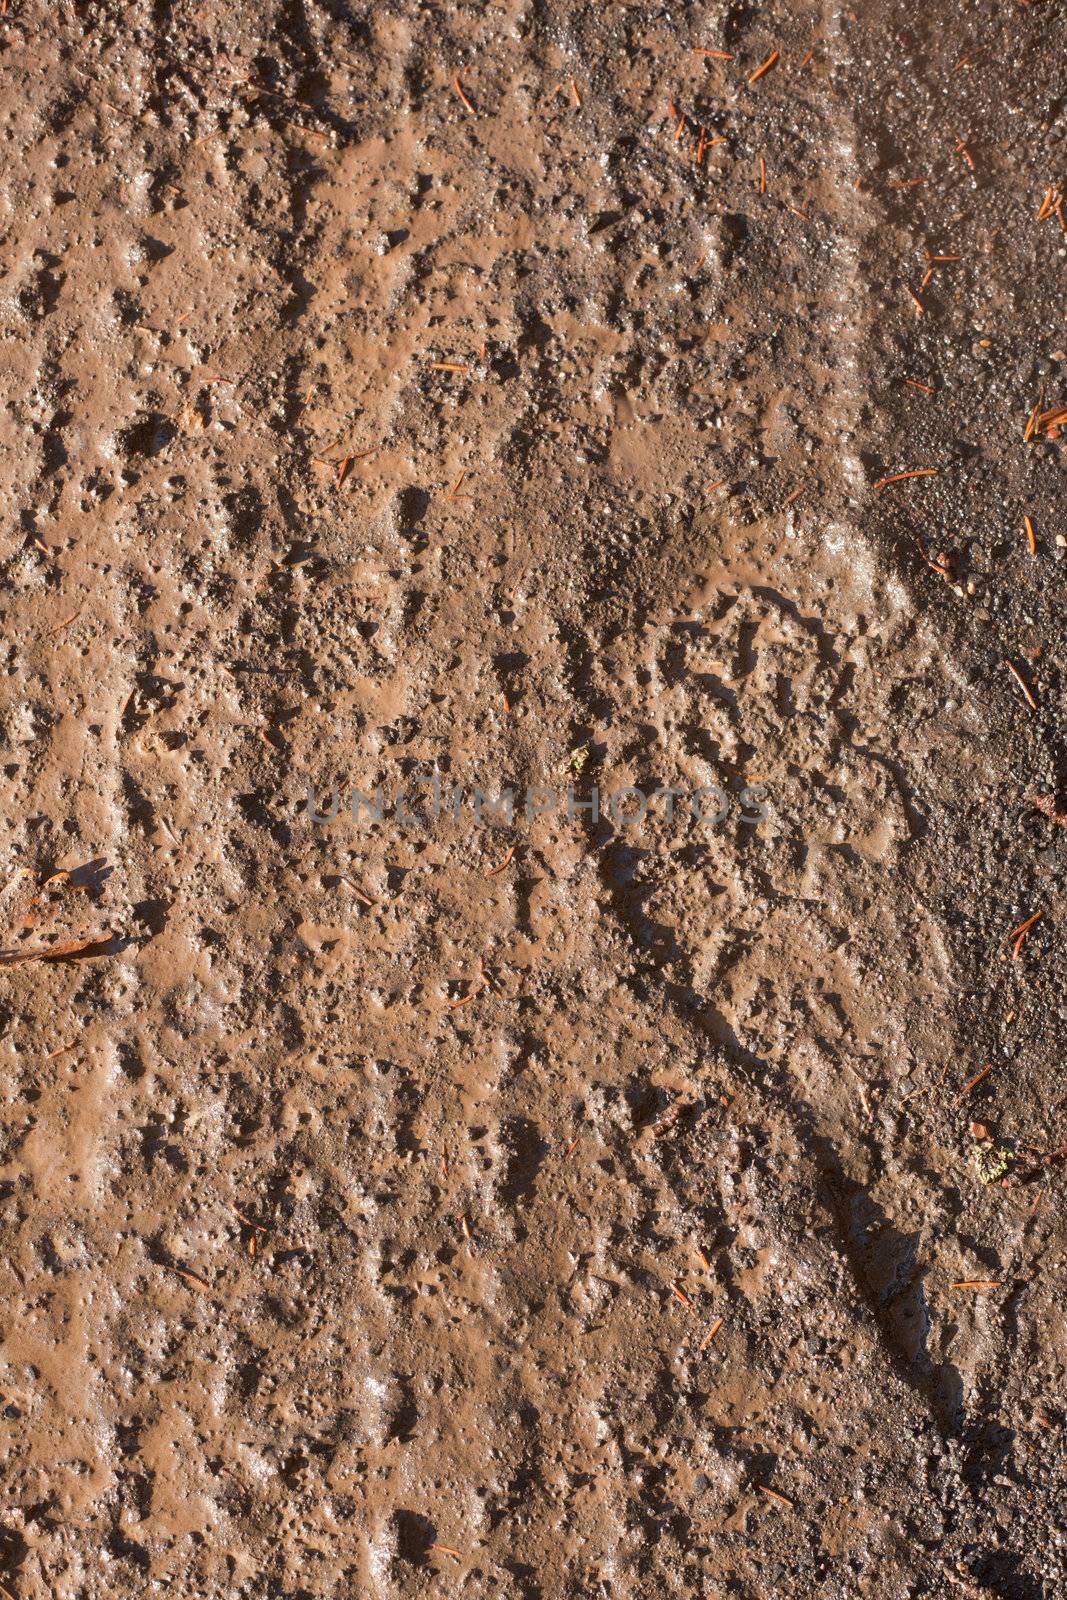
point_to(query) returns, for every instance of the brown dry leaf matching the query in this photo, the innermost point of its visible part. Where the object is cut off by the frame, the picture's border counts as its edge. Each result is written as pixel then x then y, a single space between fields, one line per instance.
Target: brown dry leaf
pixel 55 952
pixel 57 913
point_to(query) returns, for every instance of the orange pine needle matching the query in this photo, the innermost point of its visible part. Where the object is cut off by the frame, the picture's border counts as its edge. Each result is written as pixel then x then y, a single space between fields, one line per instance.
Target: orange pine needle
pixel 508 859
pixel 975 1081
pixel 577 96
pixel 788 501
pixel 766 67
pixel 716 55
pixel 359 892
pixel 782 1499
pixel 1023 685
pixel 462 96
pixel 762 176
pixel 681 1296
pixel 916 472
pixel 925 387
pixel 467 999
pixel 708 487
pixel 64 624
pixel 978 1283
pixel 342 470
pixel 1030 539
pixel 919 307
pixel 192 1279
pixel 709 1336
pixel 1024 927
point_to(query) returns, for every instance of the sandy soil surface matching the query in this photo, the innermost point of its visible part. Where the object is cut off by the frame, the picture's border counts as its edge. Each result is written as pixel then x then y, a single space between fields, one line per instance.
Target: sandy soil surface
pixel 518 394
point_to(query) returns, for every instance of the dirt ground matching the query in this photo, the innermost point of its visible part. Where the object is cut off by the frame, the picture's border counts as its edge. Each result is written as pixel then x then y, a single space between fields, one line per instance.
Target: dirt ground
pixel 505 393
